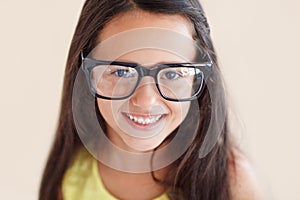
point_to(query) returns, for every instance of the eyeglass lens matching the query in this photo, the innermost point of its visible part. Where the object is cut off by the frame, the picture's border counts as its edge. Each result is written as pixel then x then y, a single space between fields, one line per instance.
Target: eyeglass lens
pixel 116 81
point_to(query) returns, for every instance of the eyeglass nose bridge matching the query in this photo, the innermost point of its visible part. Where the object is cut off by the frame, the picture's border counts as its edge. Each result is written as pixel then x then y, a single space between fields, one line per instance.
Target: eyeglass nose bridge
pixel 148 72
pixel 152 72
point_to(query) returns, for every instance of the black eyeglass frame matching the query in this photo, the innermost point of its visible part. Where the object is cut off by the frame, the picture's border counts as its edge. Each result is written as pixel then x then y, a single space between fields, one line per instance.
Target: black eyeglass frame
pixel 89 63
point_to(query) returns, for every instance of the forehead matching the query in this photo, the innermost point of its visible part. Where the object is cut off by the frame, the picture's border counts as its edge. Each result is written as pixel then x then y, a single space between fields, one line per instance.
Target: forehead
pixel 142 37
pixel 141 19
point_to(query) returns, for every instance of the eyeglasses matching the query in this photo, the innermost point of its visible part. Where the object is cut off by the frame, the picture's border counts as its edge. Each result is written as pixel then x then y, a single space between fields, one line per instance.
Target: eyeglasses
pixel 115 80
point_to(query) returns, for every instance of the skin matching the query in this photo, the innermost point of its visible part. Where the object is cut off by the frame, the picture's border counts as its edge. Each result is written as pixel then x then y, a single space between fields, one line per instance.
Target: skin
pixel 145 100
pixel 243 180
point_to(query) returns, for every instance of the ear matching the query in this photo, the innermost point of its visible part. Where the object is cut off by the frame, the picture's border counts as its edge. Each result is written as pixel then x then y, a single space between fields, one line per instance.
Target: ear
pixel 242 179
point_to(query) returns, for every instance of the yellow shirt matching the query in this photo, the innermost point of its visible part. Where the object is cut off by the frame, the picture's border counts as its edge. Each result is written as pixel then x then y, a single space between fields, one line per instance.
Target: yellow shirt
pixel 82 180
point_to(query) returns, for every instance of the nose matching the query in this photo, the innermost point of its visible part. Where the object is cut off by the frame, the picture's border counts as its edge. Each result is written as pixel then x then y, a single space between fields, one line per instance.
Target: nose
pixel 146 94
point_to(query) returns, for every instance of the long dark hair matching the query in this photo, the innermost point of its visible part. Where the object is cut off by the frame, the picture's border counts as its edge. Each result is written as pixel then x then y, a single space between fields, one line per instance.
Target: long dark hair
pixel 206 178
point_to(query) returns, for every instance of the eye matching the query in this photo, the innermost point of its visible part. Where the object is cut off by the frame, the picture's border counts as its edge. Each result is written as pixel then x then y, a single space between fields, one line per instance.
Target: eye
pixel 124 73
pixel 121 73
pixel 171 75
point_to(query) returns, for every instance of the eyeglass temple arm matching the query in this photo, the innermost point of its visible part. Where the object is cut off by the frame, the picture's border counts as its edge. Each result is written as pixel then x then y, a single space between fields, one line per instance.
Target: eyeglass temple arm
pixel 81 55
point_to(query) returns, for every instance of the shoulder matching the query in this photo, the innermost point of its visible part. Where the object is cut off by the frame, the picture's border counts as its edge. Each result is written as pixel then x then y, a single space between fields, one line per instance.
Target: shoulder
pixel 242 179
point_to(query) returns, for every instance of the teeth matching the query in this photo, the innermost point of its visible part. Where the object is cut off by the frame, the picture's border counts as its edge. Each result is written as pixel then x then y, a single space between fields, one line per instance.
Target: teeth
pixel 147 121
pixel 141 120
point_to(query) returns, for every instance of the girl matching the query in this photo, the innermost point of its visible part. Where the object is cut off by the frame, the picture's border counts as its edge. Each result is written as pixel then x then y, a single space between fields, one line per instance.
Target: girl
pixel 152 74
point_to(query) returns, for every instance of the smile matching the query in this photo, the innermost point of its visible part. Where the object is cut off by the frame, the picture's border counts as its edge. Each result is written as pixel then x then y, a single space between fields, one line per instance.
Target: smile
pixel 144 120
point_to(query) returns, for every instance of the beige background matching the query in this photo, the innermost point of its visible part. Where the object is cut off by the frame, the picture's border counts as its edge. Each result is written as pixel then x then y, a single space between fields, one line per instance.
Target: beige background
pixel 258 46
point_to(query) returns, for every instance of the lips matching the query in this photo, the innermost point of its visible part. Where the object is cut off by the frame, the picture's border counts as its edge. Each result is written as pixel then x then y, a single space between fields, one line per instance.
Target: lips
pixel 143 119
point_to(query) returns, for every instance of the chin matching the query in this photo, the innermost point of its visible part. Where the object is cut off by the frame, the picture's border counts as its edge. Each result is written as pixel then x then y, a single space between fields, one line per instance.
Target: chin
pixel 142 145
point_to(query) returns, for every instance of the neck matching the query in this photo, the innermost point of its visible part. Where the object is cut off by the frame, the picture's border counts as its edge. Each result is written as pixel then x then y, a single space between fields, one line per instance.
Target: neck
pixel 125 185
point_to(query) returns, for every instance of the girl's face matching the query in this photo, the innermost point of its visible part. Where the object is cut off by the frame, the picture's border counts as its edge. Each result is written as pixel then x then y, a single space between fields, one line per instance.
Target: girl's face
pixel 141 122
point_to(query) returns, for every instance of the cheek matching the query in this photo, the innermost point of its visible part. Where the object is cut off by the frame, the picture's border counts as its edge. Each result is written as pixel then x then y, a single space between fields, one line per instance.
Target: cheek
pixel 110 111
pixel 105 108
pixel 179 110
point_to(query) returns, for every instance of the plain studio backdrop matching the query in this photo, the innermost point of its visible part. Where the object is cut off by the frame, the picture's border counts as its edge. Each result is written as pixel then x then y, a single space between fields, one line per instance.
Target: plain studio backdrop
pixel 257 42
